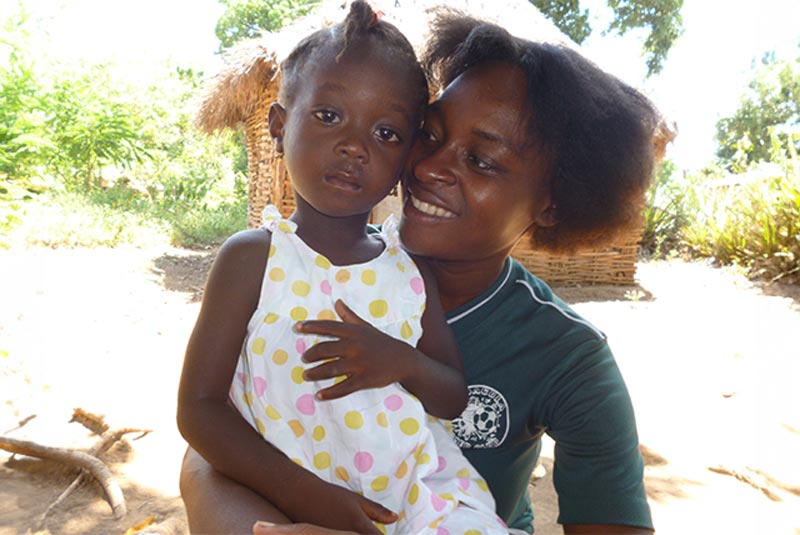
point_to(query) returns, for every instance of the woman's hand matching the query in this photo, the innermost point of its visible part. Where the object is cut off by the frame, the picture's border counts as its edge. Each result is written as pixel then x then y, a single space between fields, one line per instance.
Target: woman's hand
pixel 267 528
pixel 368 357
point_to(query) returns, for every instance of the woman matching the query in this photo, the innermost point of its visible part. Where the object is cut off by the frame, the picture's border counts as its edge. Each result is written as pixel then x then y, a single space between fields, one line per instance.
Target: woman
pixel 527 140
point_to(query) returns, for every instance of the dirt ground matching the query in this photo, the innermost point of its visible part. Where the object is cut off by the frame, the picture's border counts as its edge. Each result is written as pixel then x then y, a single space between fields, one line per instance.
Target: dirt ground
pixel 712 362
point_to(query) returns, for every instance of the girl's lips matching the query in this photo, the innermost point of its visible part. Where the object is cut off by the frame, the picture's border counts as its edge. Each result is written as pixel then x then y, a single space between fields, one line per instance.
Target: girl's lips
pixel 341 181
pixel 430 209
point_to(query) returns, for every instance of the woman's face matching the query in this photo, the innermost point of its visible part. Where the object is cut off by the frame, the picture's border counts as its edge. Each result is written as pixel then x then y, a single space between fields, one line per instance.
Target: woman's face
pixel 474 185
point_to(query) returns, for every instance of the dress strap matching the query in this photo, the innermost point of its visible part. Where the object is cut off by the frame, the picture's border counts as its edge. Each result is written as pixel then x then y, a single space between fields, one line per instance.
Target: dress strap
pixel 390 232
pixel 272 221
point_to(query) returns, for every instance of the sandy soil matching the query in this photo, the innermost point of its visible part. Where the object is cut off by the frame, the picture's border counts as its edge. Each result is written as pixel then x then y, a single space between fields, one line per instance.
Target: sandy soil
pixel 711 360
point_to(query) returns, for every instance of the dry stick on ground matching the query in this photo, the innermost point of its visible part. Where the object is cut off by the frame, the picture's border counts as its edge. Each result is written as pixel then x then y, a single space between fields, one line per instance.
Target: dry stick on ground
pixel 745 479
pixel 107 439
pixel 76 458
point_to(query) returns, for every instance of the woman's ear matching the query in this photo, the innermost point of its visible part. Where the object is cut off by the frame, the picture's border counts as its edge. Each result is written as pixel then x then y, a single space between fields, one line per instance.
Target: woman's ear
pixel 277 122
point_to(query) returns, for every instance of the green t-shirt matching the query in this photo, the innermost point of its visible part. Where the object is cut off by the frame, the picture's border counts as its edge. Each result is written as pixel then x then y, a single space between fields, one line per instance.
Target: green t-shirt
pixel 534 366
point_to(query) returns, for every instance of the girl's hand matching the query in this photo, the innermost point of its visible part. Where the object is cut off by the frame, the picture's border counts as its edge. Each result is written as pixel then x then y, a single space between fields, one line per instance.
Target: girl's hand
pixel 368 357
pixel 267 528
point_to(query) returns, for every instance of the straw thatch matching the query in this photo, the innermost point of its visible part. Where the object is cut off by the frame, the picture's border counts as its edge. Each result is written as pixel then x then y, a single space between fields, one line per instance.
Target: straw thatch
pixel 241 94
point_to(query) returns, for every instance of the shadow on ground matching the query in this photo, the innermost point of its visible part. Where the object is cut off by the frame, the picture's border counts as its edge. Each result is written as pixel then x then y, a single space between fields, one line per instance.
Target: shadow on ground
pixel 185 272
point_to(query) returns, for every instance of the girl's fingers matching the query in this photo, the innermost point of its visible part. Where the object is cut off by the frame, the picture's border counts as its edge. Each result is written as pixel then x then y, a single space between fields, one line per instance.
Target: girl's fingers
pixel 327 370
pixel 335 329
pixel 324 351
pixel 377 512
pixel 347 315
pixel 339 390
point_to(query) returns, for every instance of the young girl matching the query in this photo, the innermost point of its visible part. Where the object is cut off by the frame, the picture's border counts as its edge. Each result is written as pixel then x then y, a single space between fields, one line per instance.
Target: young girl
pixel 351 99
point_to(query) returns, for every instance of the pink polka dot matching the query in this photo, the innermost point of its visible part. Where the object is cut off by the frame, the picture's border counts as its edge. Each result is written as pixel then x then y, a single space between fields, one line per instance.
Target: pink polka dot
pixel 325 287
pixel 438 502
pixel 240 377
pixel 442 531
pixel 393 402
pixel 305 404
pixel 260 384
pixel 442 464
pixel 417 286
pixel 463 483
pixel 363 461
pixel 300 345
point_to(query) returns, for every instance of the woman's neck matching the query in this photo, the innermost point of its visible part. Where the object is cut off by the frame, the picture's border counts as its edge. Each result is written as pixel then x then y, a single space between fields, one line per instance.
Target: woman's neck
pixel 461 281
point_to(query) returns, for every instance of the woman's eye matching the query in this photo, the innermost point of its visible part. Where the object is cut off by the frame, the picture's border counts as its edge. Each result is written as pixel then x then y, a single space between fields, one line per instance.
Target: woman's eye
pixel 327 116
pixel 427 135
pixel 388 135
pixel 481 164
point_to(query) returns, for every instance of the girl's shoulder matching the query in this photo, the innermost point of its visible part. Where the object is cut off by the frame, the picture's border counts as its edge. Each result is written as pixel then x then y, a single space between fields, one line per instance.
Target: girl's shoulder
pixel 244 252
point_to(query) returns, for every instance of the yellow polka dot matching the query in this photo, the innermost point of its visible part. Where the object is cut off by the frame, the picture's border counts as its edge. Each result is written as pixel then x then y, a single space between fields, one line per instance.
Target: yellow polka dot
pixel 482 485
pixel 342 276
pixel 299 313
pixel 418 451
pixel 326 314
pixel 380 483
pixel 447 496
pixel 259 344
pixel 277 274
pixel 298 462
pixel 424 459
pixel 409 426
pixel 402 470
pixel 472 532
pixel 297 428
pixel 297 375
pixel 247 397
pixel 271 251
pixel 380 527
pixel 284 226
pixel 341 473
pixel 463 473
pixel 322 262
pixel 337 380
pixel 435 523
pixel 272 413
pixel 413 494
pixel 368 277
pixel 301 288
pixel 353 420
pixel 322 460
pixel 260 426
pixel 270 318
pixel 378 308
pixel 318 433
pixel 406 331
pixel 401 267
pixel 280 357
pixel 382 420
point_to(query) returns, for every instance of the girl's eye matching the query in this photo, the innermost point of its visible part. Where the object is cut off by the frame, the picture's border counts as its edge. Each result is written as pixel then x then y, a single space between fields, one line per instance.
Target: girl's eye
pixel 427 135
pixel 328 117
pixel 479 163
pixel 388 135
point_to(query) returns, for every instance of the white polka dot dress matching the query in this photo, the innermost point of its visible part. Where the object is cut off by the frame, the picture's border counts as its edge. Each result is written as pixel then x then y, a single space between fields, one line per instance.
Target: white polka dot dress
pixel 378 442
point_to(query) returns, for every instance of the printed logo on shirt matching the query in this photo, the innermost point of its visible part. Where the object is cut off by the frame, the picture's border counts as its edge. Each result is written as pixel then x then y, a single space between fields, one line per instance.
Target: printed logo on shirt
pixel 484 423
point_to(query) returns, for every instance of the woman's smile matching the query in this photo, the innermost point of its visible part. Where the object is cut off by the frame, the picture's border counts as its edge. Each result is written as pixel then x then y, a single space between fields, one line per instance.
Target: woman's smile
pixel 429 208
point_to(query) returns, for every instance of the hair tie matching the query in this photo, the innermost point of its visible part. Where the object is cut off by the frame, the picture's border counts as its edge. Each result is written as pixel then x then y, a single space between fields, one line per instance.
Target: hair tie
pixel 376 16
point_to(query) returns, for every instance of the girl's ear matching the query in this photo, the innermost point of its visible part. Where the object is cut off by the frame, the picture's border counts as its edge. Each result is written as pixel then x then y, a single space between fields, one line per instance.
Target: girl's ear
pixel 548 216
pixel 277 122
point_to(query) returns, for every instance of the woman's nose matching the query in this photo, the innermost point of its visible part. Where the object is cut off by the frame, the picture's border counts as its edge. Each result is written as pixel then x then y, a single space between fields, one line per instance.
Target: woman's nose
pixel 435 166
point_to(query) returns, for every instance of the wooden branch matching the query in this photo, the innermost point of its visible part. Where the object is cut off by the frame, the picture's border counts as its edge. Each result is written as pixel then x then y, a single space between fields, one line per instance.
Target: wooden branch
pixel 74 458
pixel 745 479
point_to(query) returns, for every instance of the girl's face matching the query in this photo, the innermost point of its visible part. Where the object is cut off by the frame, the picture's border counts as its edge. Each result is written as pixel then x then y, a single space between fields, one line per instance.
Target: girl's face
pixel 474 185
pixel 347 130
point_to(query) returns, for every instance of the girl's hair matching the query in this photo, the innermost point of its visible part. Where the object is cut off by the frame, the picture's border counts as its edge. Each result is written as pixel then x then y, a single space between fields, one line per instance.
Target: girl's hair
pixel 362 27
pixel 596 133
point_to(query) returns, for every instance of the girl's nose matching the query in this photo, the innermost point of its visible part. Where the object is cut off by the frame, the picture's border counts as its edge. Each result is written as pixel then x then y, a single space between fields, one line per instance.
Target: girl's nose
pixel 353 148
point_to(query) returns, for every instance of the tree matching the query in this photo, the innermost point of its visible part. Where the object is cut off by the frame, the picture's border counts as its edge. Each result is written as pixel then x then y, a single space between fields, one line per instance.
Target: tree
pixel 661 17
pixel 244 19
pixel 771 104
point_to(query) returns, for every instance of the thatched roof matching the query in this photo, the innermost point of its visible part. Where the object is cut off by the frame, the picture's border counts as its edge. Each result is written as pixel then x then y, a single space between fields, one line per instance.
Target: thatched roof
pixel 230 96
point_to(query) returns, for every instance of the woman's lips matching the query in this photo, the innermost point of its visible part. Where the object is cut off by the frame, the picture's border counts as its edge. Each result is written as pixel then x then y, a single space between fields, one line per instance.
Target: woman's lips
pixel 430 209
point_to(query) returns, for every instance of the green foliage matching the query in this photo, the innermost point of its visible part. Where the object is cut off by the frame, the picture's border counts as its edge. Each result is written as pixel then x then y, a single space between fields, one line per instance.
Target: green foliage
pixel 244 19
pixel 662 19
pixel 772 101
pixel 754 222
pixel 667 211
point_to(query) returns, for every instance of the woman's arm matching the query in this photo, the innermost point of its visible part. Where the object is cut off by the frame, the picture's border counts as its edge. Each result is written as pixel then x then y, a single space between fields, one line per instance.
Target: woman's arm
pixel 432 371
pixel 215 429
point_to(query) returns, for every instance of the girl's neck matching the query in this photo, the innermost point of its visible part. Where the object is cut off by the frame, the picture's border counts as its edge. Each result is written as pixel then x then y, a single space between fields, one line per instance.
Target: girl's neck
pixel 461 281
pixel 342 240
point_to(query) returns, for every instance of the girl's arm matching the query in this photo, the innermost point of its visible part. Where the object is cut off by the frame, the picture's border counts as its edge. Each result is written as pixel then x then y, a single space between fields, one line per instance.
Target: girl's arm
pixel 215 429
pixel 432 371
